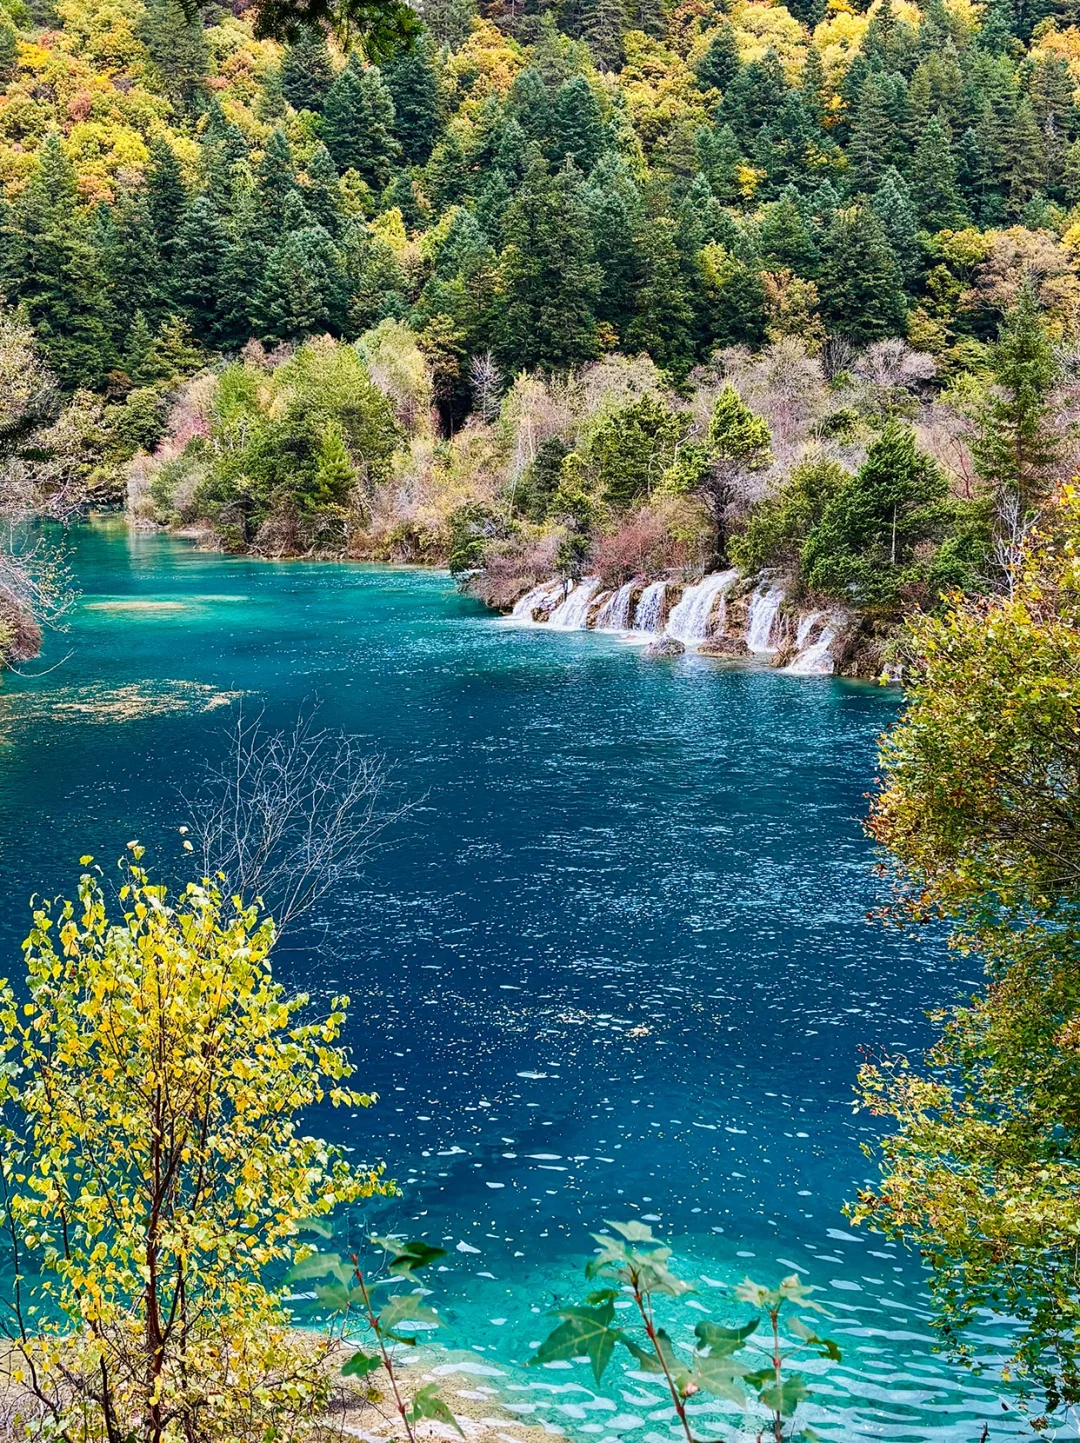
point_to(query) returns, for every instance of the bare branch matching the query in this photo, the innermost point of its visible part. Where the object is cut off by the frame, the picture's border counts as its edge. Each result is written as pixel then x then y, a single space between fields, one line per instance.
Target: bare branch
pixel 291 815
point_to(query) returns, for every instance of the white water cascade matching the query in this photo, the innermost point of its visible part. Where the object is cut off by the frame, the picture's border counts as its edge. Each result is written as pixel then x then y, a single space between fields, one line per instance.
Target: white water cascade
pixel 815 660
pixel 546 591
pixel 650 608
pixel 614 615
pixel 573 614
pixel 690 618
pixel 761 618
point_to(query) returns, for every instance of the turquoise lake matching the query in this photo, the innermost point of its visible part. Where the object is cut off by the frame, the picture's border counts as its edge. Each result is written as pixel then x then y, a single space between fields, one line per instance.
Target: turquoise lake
pixel 615 964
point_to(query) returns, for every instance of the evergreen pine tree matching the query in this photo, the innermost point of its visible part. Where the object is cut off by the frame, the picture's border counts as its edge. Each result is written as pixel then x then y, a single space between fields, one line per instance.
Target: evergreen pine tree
pixel 973 178
pixel 178 51
pixel 1070 176
pixel 754 95
pixel 1018 448
pixel 550 280
pixel 449 21
pixel 933 181
pixel 996 32
pixel 891 204
pixel 132 267
pixel 867 544
pixel 413 87
pixel 1026 173
pixel 720 64
pixel 529 104
pixel 56 273
pixel 358 122
pixel 614 207
pixel 814 88
pixel 862 295
pixel 785 239
pixel 300 288
pixel 719 155
pixel 275 186
pixel 663 320
pixel 322 193
pixel 577 129
pixel 306 71
pixel 202 246
pixel 604 23
pixel 783 145
pixel 870 145
pixel 166 198
pixel 335 475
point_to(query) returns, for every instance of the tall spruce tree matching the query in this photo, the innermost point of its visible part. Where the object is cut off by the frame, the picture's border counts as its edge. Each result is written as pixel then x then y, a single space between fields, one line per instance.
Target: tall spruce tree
pixel 934 193
pixel 862 294
pixel 720 64
pixel 603 25
pixel 306 71
pixel 202 247
pixel 166 197
pixel 550 279
pixel 358 123
pixel 413 87
pixel 891 203
pixel 1019 448
pixel 577 128
pixel 57 272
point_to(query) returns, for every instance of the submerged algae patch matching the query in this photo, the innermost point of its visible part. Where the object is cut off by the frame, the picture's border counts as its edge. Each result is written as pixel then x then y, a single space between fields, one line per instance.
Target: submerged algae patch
pixel 134 702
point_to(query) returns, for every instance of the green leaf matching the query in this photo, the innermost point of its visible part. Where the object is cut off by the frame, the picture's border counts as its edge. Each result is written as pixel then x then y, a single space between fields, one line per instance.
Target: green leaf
pixel 826 1346
pixel 650 1362
pixel 317 1266
pixel 654 1277
pixel 584 1333
pixel 405 1308
pixel 321 1225
pixel 722 1341
pixel 408 1257
pixel 426 1403
pixel 361 1364
pixel 633 1232
pixel 722 1376
pixel 785 1398
pixel 337 1297
pixel 793 1290
pixel 602 1295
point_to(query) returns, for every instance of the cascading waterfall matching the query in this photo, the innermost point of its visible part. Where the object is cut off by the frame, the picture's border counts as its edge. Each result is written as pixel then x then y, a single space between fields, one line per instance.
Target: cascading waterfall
pixel 650 608
pixel 806 626
pixel 614 615
pixel 546 591
pixel 761 618
pixel 690 618
pixel 573 614
pixel 815 660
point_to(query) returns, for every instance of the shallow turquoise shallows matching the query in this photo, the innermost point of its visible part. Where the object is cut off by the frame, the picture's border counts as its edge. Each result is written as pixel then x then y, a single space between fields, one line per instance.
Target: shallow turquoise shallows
pixel 617 963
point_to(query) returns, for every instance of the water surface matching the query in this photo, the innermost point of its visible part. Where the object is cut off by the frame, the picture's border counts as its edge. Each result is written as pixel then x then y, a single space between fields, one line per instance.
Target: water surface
pixel 616 965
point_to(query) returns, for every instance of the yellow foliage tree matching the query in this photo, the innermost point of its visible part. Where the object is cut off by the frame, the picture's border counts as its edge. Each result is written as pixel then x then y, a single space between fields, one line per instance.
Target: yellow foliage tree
pixel 153 1169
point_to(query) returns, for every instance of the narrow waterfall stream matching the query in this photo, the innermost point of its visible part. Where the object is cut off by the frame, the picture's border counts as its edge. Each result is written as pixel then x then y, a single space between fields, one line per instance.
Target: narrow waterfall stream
pixel 691 619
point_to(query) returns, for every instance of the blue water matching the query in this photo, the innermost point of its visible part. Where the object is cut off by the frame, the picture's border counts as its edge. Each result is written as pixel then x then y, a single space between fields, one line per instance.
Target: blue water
pixel 616 964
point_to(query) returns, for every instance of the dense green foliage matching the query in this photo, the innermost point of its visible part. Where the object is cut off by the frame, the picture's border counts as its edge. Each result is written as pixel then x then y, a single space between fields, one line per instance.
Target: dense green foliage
pixel 980 812
pixel 546 185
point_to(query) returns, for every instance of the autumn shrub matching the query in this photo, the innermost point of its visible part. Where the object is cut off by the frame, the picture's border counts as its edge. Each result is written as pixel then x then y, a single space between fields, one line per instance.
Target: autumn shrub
pixel 671 534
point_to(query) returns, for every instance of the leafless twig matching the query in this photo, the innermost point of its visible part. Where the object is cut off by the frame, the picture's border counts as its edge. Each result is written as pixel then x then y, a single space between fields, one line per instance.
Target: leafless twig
pixel 291 815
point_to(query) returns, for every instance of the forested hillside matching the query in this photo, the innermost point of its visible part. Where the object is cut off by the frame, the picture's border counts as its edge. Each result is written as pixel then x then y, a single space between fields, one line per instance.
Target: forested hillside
pixel 534 218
